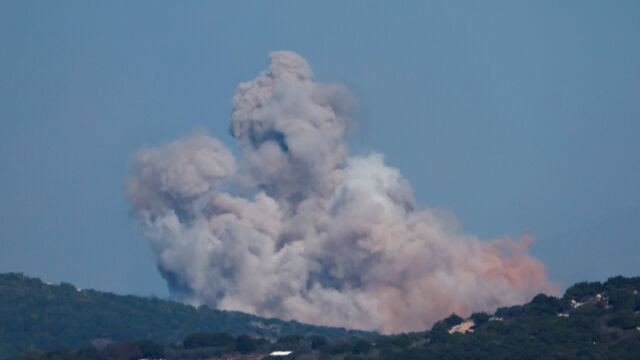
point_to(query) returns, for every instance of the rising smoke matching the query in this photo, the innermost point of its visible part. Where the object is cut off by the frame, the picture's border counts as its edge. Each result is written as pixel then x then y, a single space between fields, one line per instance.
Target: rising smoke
pixel 297 229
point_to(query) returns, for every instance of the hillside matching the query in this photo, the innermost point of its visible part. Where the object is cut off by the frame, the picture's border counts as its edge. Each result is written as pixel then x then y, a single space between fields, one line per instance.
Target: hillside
pixel 592 321
pixel 41 316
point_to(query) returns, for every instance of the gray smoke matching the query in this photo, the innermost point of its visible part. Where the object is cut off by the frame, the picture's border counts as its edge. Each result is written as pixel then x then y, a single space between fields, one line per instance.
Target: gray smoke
pixel 296 229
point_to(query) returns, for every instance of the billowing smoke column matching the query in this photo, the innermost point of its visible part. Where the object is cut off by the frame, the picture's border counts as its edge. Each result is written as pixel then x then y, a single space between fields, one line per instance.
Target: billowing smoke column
pixel 297 229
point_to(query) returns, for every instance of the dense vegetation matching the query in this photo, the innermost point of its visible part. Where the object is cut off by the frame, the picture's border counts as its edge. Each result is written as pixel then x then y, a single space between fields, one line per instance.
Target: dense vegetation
pixel 35 315
pixel 592 321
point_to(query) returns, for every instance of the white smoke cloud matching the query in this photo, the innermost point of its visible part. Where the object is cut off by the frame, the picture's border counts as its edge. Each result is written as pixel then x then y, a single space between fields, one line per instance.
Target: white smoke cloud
pixel 322 237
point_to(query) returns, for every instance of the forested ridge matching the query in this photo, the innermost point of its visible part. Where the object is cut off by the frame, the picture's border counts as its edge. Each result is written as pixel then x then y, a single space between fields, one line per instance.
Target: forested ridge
pixel 36 315
pixel 592 320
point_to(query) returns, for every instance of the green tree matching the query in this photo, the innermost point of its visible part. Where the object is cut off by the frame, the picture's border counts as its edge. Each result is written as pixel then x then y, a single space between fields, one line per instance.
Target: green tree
pixel 245 344
pixel 361 346
pixel 453 320
pixel 290 340
pixel 150 349
pixel 625 319
pixel 197 340
pixel 317 341
pixel 480 318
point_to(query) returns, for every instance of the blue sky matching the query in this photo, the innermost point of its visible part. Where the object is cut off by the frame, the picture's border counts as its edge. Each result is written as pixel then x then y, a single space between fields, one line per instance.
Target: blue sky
pixel 511 115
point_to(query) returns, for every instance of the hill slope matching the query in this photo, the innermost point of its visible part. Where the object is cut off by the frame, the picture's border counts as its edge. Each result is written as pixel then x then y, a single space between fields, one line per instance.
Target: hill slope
pixel 41 316
pixel 591 321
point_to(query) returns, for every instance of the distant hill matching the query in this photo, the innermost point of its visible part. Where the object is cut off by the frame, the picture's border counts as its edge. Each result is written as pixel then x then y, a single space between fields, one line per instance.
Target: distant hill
pixel 592 320
pixel 35 315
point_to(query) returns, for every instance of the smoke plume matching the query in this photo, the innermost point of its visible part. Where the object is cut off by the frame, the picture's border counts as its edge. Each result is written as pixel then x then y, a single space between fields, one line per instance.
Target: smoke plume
pixel 295 228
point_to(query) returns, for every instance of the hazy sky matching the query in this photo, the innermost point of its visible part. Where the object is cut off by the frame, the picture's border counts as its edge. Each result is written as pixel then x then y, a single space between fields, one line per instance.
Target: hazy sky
pixel 512 116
